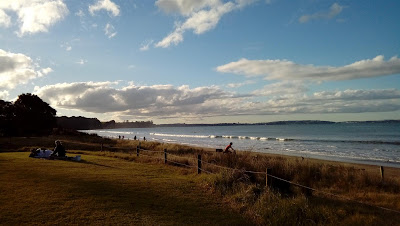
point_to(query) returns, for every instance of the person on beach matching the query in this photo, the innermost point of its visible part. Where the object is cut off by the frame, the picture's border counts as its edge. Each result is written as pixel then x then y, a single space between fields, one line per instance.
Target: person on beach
pixel 229 147
pixel 59 150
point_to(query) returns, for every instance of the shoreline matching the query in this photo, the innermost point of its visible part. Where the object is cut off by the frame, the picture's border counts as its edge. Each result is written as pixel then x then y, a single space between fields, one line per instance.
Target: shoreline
pixel 315 157
pixel 306 155
pixel 389 171
pixel 299 140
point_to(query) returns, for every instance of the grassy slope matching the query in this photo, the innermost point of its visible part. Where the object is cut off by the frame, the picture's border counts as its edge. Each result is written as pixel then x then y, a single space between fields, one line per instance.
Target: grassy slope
pixel 102 190
pixel 247 195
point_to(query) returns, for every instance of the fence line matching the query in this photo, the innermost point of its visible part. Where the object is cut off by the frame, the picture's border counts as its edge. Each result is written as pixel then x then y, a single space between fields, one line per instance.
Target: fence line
pixel 182 164
pixel 267 174
pixel 160 158
pixel 154 157
pixel 150 151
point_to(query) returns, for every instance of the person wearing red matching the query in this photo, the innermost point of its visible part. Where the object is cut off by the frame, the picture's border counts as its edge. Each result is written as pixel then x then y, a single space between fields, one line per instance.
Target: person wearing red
pixel 229 147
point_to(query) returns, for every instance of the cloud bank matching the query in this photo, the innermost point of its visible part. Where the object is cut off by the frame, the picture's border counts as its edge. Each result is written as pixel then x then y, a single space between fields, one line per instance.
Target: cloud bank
pixel 17 68
pixel 106 5
pixel 33 16
pixel 167 101
pixel 156 100
pixel 288 70
pixel 200 16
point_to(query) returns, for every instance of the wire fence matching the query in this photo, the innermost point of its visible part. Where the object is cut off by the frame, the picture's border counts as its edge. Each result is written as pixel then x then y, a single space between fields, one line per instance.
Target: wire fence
pixel 200 162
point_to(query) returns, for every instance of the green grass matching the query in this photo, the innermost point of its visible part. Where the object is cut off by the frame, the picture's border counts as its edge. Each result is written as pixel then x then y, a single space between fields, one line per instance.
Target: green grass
pixel 103 190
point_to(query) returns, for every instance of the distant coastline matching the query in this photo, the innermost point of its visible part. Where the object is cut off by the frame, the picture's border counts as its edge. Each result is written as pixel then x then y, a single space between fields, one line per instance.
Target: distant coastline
pixel 82 123
pixel 299 122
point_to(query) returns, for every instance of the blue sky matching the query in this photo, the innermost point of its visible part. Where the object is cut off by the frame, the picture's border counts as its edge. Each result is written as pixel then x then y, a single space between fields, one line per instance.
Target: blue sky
pixel 204 61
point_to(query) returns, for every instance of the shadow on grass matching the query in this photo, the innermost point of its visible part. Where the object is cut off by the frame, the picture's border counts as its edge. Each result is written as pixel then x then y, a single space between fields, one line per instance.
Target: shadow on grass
pixel 92 163
pixel 161 199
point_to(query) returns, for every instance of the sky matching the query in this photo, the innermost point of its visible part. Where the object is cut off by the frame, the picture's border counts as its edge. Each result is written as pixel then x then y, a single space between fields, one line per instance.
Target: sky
pixel 204 61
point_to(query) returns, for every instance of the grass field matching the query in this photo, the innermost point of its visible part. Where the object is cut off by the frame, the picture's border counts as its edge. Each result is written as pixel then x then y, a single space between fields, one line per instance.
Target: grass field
pixel 117 187
pixel 101 190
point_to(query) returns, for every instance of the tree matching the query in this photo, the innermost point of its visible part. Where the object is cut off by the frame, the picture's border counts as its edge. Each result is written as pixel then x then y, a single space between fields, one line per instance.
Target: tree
pixel 7 115
pixel 33 116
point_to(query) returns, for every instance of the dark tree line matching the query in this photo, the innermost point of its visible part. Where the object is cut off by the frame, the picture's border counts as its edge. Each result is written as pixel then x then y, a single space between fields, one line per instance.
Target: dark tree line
pixel 31 116
pixel 78 123
pixel 137 124
pixel 27 116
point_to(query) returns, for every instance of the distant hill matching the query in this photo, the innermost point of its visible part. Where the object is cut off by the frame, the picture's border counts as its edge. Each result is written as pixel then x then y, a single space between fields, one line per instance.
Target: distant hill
pixel 299 122
pixel 82 123
pixel 78 123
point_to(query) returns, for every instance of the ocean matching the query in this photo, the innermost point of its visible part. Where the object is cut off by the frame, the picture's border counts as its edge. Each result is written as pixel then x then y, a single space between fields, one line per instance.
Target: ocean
pixel 368 143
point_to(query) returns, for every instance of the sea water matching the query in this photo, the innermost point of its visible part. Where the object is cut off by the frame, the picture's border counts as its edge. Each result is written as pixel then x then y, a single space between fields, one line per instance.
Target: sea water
pixel 369 143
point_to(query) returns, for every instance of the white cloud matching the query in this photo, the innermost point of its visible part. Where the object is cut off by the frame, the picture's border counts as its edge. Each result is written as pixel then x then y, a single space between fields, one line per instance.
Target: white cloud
pixel 174 38
pixel 358 95
pixel 107 5
pixel 146 45
pixel 348 101
pixel 185 7
pixel 237 85
pixel 44 71
pixel 33 16
pixel 109 31
pixel 288 70
pixel 66 46
pixel 201 16
pixel 335 9
pixel 80 13
pixel 17 68
pixel 82 62
pixel 282 88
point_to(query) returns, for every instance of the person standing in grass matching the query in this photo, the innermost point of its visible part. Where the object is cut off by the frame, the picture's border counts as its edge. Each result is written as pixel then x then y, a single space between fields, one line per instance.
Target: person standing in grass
pixel 59 150
pixel 229 147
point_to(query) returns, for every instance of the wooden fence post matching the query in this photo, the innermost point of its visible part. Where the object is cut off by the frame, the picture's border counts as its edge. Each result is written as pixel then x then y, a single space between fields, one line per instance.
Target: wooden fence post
pixel 268 183
pixel 165 156
pixel 137 151
pixel 198 164
pixel 382 174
